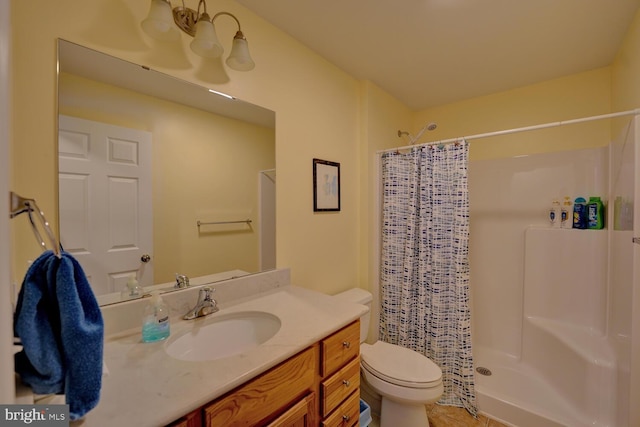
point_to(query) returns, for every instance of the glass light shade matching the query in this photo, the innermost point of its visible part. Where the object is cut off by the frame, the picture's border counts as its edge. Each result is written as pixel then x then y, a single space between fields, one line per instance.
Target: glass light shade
pixel 159 22
pixel 205 43
pixel 239 58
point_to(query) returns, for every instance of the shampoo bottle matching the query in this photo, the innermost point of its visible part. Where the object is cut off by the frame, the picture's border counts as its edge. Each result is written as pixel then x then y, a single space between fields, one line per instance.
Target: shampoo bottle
pixel 580 213
pixel 566 214
pixel 155 324
pixel 595 214
pixel 554 213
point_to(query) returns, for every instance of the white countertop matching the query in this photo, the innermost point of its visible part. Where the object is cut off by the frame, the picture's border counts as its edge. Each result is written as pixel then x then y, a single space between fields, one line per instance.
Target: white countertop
pixel 147 387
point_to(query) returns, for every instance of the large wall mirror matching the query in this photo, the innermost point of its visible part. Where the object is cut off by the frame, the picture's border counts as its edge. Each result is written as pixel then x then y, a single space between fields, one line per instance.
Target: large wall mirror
pixel 160 177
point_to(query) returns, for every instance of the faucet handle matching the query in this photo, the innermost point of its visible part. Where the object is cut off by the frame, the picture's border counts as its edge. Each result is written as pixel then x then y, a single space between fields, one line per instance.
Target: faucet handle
pixel 182 281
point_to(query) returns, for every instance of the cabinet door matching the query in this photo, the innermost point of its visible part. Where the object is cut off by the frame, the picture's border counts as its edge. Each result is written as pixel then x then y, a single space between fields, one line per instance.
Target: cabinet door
pixel 193 419
pixel 270 393
pixel 299 415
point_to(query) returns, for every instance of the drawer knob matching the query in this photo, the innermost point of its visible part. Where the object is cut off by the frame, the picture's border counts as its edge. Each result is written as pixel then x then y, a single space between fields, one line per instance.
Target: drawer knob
pixel 346 417
pixel 346 344
pixel 346 383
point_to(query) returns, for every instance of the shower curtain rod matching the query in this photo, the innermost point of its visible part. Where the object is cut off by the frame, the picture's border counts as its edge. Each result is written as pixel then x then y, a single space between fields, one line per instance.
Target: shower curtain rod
pixel 516 130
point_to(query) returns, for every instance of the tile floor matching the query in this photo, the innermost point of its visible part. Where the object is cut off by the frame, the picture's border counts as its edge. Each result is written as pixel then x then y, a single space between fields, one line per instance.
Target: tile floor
pixel 449 416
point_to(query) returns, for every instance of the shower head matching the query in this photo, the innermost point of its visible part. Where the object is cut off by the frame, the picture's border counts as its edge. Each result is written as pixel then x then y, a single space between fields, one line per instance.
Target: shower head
pixel 432 126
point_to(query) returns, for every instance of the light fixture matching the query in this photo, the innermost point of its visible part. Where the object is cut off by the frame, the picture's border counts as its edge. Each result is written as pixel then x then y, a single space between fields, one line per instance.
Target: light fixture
pixel 158 25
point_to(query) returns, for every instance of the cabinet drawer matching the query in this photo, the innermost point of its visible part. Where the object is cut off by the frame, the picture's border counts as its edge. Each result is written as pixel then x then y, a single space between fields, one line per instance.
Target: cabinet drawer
pixel 340 385
pixel 347 414
pixel 257 400
pixel 339 348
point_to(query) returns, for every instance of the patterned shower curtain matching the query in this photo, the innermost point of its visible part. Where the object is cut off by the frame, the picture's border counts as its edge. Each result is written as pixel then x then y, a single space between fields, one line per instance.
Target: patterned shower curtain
pixel 425 262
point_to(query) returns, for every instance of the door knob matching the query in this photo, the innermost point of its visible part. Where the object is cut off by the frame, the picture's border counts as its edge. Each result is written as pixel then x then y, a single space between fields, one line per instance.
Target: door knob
pixel 145 258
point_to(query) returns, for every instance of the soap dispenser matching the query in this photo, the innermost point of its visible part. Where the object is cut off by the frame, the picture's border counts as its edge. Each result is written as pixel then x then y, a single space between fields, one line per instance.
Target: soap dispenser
pixel 132 289
pixel 155 324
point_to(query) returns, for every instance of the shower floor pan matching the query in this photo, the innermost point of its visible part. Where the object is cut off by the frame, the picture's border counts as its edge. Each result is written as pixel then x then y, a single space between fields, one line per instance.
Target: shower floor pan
pixel 515 395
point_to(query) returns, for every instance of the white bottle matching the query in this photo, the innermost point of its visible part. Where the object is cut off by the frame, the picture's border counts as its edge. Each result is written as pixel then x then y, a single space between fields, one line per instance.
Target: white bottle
pixel 566 213
pixel 155 324
pixel 132 289
pixel 554 214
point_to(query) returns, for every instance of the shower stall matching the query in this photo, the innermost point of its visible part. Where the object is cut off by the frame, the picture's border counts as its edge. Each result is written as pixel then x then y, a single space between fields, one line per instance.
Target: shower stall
pixel 555 312
pixel 553 309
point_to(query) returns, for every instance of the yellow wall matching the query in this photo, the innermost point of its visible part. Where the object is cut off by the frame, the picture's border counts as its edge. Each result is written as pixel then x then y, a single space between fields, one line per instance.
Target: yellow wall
pixel 205 167
pixel 626 70
pixel 382 116
pixel 316 108
pixel 576 96
pixel 320 112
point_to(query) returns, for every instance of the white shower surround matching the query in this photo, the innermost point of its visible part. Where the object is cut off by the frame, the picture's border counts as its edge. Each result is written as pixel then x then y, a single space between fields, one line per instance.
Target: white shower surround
pixel 556 347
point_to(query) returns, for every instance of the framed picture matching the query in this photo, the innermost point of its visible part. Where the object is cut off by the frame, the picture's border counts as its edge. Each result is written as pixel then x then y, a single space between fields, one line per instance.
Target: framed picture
pixel 326 186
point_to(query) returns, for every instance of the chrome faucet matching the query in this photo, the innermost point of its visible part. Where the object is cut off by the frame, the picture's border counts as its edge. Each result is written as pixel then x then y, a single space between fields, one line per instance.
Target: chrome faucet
pixel 182 281
pixel 205 305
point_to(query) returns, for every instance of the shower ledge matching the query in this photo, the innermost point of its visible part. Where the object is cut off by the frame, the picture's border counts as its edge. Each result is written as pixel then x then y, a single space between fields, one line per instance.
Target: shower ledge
pixel 585 342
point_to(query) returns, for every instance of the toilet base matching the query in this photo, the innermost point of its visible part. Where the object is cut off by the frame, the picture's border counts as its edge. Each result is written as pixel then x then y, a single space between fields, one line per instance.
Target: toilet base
pixel 394 414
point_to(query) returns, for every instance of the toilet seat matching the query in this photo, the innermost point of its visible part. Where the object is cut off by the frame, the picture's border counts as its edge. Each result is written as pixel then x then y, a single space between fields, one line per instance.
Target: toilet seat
pixel 400 366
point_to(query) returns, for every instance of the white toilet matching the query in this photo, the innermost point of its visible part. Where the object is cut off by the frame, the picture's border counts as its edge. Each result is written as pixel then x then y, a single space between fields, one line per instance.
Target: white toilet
pixel 404 379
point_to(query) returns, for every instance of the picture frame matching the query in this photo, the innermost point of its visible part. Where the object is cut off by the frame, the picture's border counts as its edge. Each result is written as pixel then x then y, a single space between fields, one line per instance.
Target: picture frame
pixel 326 186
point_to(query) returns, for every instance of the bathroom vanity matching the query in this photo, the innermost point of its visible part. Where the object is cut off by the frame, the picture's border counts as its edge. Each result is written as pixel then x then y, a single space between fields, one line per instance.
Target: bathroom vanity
pixel 307 373
pixel 318 386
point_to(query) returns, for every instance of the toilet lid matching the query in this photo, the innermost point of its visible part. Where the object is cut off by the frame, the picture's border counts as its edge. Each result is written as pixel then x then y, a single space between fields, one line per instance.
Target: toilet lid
pixel 400 365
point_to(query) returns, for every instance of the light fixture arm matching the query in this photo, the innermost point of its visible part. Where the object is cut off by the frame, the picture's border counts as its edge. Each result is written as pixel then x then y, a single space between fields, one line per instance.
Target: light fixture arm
pixel 186 18
pixel 204 7
pixel 228 14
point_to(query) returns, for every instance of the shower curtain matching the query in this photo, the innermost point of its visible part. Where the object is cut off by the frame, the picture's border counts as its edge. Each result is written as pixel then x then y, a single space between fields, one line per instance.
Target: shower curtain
pixel 425 262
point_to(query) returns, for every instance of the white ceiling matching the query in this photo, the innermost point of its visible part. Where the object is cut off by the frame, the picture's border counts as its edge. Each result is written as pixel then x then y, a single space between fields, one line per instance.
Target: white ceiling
pixel 432 52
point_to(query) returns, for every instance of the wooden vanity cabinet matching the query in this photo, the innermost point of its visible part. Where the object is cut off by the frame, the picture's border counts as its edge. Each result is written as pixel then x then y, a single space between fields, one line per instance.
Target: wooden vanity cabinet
pixel 319 386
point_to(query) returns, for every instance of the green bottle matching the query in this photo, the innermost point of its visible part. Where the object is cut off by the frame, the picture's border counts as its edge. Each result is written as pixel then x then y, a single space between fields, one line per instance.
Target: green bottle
pixel 595 214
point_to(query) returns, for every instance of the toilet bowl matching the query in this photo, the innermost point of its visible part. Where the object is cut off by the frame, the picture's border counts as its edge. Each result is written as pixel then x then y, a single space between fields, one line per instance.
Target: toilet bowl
pixel 404 379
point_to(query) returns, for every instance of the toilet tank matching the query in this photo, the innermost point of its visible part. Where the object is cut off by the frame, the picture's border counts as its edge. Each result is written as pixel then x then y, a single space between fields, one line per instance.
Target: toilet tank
pixel 359 296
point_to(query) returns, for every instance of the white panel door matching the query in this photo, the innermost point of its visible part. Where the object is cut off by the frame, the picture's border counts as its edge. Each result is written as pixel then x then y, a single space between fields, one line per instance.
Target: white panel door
pixel 105 201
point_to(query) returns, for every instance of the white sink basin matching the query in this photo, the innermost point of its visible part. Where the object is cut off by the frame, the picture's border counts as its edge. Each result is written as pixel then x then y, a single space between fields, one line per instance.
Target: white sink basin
pixel 223 336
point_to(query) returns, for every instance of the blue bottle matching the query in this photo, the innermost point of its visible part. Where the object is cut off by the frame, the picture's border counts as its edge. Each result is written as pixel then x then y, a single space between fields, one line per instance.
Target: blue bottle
pixel 155 324
pixel 580 213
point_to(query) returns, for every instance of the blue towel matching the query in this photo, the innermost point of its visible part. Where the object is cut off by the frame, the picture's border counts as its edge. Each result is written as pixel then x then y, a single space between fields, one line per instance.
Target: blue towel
pixel 60 325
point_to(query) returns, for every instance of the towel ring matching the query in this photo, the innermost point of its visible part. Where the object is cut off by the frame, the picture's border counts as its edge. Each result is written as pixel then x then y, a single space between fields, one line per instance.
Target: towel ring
pixel 20 205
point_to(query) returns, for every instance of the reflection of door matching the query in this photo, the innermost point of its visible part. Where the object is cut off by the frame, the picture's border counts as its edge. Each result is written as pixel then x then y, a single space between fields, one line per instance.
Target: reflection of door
pixel 634 326
pixel 105 200
pixel 267 220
